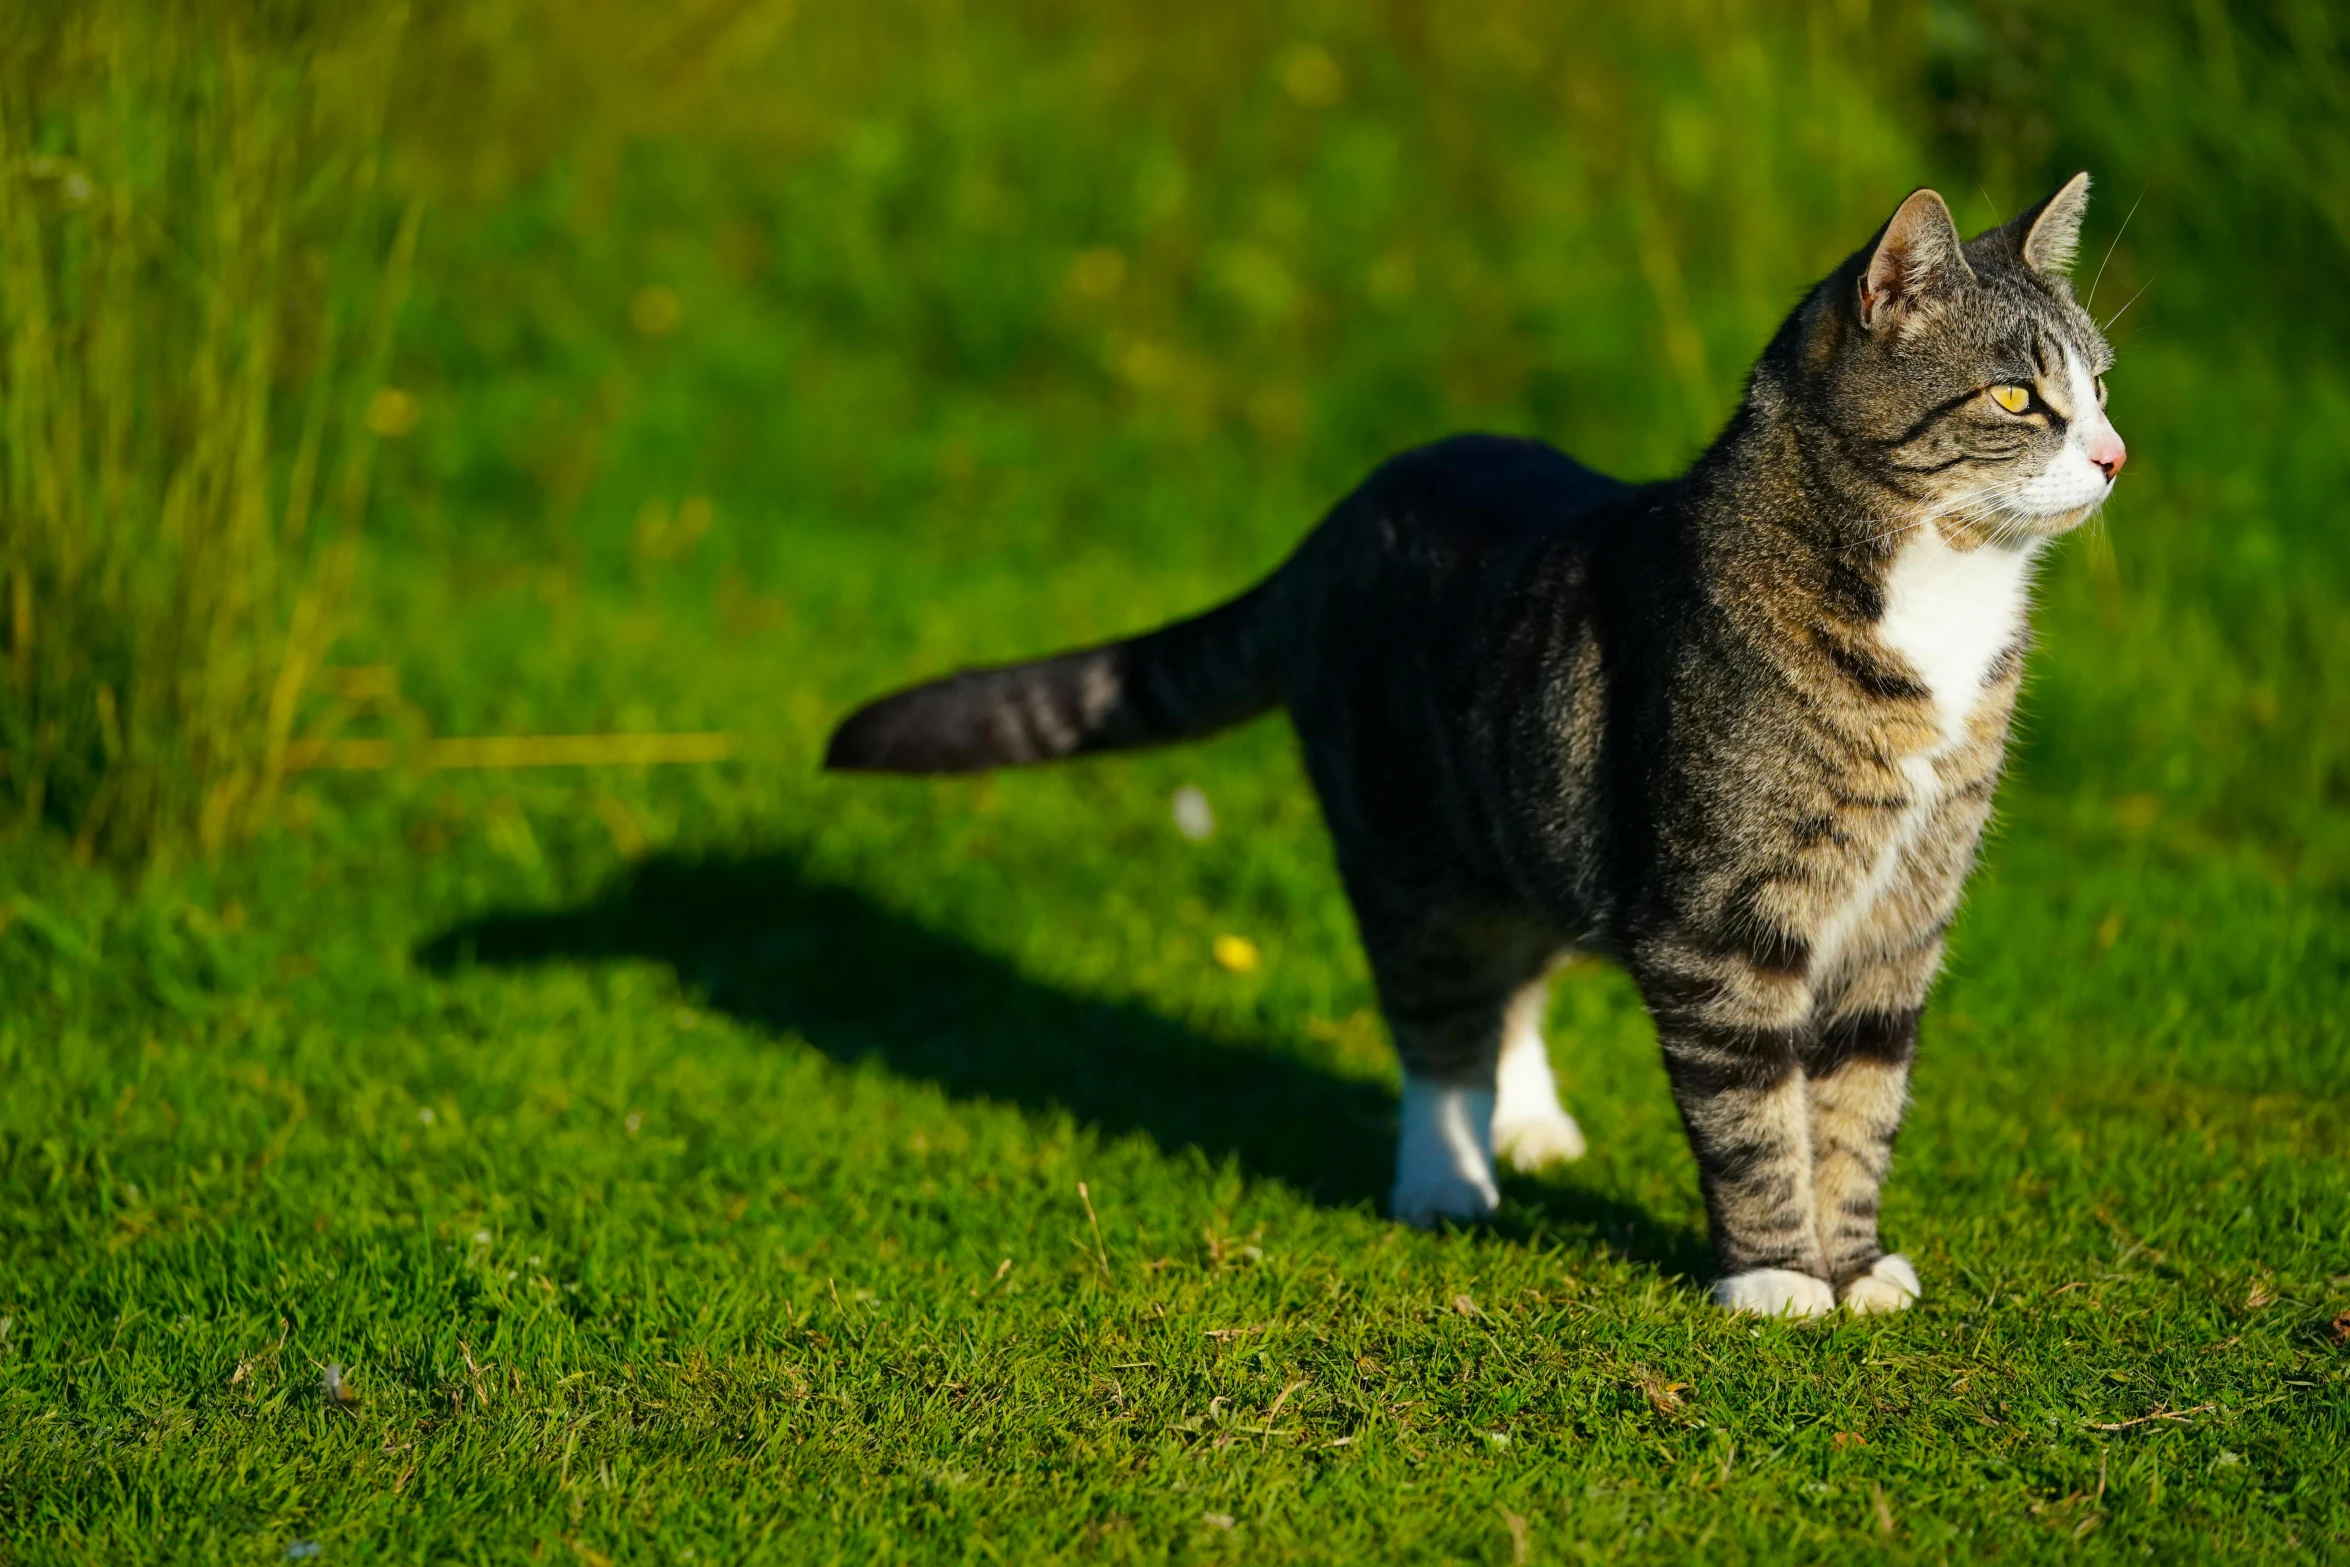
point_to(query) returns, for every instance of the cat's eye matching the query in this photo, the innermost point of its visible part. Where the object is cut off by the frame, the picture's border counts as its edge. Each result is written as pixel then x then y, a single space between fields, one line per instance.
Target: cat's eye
pixel 2015 399
pixel 2101 391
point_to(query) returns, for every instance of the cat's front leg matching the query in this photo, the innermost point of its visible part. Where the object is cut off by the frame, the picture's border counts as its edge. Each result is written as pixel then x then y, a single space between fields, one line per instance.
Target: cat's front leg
pixel 1858 1072
pixel 1730 1046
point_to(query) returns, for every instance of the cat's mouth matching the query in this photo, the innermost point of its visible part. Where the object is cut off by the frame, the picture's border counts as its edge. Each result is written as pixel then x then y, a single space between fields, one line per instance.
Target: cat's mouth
pixel 2065 521
pixel 2046 506
pixel 1968 531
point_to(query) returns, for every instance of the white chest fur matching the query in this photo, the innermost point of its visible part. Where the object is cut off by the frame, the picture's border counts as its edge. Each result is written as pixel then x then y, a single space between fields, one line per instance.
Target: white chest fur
pixel 1949 614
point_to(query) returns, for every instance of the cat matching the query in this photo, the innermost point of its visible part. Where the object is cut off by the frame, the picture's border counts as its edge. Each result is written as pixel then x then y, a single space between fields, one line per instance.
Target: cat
pixel 1737 731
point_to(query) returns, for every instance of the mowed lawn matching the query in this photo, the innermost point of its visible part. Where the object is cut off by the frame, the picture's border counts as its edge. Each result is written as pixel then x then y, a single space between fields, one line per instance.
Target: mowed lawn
pixel 727 1162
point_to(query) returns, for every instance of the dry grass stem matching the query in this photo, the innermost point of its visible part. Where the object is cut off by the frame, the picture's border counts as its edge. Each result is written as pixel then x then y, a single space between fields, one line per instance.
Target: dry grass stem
pixel 501 752
pixel 2158 1414
pixel 1101 1253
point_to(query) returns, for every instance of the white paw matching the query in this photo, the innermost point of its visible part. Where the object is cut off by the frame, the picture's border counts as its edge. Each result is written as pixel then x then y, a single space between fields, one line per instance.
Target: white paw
pixel 1890 1285
pixel 1444 1160
pixel 1775 1292
pixel 1538 1141
pixel 1457 1199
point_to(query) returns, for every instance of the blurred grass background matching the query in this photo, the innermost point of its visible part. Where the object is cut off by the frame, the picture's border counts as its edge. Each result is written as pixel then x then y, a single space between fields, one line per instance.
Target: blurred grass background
pixel 705 281
pixel 513 368
pixel 826 271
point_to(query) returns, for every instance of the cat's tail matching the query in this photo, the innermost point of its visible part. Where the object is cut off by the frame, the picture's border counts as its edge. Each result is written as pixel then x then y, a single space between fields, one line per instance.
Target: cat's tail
pixel 1178 682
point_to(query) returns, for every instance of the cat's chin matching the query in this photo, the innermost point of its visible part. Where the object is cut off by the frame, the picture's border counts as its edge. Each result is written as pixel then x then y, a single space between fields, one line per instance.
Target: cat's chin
pixel 2013 531
pixel 2057 524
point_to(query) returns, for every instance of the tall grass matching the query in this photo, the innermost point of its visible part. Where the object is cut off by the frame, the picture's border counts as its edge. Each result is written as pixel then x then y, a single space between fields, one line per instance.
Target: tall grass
pixel 198 280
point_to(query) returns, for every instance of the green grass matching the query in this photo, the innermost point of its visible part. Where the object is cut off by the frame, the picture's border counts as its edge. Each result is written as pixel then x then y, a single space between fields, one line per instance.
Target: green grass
pixel 731 1120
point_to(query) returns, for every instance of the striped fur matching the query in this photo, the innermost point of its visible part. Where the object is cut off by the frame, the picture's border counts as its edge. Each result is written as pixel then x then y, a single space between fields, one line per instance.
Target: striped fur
pixel 1738 731
pixel 1176 683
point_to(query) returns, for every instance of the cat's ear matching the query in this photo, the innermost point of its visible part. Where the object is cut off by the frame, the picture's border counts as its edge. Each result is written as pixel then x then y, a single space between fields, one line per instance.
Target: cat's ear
pixel 2048 236
pixel 1917 253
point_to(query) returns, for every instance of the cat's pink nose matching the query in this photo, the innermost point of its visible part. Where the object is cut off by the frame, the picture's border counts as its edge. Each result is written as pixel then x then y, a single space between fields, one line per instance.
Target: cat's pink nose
pixel 2106 450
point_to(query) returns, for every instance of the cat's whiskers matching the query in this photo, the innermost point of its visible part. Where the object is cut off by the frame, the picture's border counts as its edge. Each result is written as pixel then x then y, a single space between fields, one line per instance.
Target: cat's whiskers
pixel 1893 533
pixel 1991 503
pixel 2107 324
pixel 2091 302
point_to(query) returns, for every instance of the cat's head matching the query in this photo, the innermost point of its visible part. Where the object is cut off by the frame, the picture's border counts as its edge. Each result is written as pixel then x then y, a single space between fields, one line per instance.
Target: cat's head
pixel 1964 375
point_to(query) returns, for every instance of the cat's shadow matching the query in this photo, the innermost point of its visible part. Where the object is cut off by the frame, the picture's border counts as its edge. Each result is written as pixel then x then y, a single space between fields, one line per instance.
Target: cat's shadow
pixel 768 946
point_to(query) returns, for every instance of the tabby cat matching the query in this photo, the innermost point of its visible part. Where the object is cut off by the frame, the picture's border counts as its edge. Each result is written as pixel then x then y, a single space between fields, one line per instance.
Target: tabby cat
pixel 1737 731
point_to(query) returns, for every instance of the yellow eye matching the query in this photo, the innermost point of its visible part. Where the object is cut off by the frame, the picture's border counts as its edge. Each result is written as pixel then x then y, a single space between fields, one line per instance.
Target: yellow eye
pixel 2015 399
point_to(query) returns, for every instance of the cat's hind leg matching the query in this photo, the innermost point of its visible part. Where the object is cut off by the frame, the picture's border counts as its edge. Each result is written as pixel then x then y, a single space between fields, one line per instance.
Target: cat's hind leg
pixel 1450 985
pixel 1531 1129
pixel 1444 1157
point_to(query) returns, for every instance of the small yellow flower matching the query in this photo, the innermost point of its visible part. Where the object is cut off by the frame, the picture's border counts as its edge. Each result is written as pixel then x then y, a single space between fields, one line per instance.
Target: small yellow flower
pixel 391 413
pixel 1097 272
pixel 654 310
pixel 1236 954
pixel 1311 77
